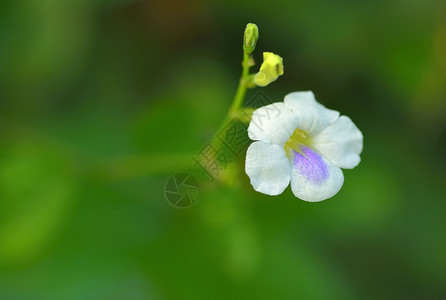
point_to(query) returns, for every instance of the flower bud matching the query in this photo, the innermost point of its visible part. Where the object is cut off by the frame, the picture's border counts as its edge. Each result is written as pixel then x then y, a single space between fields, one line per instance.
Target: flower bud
pixel 270 70
pixel 250 38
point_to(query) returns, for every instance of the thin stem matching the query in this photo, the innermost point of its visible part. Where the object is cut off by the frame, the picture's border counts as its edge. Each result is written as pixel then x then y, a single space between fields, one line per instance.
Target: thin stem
pixel 239 95
pixel 237 102
pixel 241 90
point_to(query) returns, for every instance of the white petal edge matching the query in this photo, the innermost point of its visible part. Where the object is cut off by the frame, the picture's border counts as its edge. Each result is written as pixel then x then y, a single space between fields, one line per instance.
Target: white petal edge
pixel 313 117
pixel 341 143
pixel 268 168
pixel 273 123
pixel 314 191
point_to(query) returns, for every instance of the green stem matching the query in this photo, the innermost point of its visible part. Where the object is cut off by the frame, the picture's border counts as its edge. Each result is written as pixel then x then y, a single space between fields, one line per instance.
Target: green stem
pixel 236 103
pixel 242 87
pixel 239 95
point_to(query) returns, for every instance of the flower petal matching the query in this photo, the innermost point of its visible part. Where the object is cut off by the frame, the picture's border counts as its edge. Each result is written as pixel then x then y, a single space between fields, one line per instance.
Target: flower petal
pixel 341 143
pixel 314 178
pixel 268 168
pixel 273 123
pixel 313 117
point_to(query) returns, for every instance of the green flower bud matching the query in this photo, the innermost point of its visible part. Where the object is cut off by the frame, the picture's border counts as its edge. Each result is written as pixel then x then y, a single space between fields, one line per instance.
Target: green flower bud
pixel 250 38
pixel 270 70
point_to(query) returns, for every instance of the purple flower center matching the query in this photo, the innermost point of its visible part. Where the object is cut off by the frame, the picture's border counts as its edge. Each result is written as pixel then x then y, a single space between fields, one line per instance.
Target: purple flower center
pixel 310 165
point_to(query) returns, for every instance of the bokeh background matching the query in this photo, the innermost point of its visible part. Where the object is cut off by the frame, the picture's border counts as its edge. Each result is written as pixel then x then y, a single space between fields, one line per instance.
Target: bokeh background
pixel 101 101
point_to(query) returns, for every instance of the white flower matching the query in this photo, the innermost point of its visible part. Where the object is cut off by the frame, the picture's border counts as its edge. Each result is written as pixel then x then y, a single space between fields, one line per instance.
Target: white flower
pixel 302 142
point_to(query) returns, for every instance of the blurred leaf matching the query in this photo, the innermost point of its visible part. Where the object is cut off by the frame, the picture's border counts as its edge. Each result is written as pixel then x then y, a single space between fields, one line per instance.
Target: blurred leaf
pixel 36 189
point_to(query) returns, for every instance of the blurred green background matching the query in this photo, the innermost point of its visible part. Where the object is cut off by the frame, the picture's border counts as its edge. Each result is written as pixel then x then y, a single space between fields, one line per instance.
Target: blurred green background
pixel 101 101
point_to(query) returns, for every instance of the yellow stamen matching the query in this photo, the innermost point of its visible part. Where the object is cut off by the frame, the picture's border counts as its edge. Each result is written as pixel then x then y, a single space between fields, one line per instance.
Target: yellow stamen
pixel 297 139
